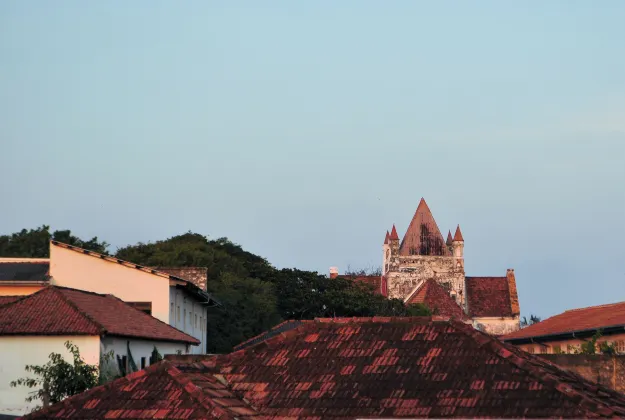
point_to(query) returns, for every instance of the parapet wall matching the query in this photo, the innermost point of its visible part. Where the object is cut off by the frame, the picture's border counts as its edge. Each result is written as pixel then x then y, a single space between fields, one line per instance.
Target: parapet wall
pixel 606 370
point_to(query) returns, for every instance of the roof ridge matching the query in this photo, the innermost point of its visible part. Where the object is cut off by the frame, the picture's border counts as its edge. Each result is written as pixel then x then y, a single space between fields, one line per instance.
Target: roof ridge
pixel 590 307
pixel 532 365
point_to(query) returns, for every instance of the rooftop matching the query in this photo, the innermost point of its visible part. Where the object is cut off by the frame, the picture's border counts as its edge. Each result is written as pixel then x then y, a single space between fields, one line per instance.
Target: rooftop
pixel 63 311
pixel 589 319
pixel 353 368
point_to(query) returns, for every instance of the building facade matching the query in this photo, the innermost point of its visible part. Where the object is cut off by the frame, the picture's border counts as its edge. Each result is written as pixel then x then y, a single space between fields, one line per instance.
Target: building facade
pixel 423 254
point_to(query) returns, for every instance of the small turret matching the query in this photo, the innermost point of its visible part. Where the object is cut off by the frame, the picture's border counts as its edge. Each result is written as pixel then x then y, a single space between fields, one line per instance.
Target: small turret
pixel 394 248
pixel 386 253
pixel 457 246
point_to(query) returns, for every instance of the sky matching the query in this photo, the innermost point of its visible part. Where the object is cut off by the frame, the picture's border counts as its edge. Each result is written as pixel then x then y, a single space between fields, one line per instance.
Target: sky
pixel 303 130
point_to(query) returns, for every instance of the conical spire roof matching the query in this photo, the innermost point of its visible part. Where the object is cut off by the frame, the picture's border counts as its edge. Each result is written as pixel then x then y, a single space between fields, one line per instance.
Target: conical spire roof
pixel 387 238
pixel 449 238
pixel 458 235
pixel 394 234
pixel 423 236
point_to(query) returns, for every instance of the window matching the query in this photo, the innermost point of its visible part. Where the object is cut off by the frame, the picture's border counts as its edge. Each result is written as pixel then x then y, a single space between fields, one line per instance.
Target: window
pixel 143 363
pixel 172 310
pixel 557 349
pixel 195 320
pixel 184 319
pixel 619 346
pixel 530 349
pixel 142 306
pixel 178 310
pixel 544 350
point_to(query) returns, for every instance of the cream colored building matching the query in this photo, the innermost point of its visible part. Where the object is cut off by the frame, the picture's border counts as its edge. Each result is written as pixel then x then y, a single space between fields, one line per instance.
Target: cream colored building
pixel 173 300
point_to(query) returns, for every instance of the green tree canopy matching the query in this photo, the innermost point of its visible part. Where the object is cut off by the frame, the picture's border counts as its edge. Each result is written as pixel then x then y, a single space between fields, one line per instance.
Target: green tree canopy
pixel 35 243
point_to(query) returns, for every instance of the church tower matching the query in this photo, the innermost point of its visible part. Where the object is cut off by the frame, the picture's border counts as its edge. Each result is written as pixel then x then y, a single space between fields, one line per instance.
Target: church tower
pixel 423 254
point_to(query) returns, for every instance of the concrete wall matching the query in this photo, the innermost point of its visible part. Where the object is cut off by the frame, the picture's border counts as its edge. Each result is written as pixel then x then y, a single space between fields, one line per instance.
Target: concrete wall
pixel 73 269
pixel 189 316
pixel 496 325
pixel 19 351
pixel 415 269
pixel 139 349
pixel 605 370
pixel 17 290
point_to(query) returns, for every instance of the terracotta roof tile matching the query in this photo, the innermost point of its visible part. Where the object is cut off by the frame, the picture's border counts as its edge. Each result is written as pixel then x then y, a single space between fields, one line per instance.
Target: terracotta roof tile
pixel 354 368
pixel 574 320
pixel 488 296
pixel 394 235
pixel 458 235
pixel 423 236
pixel 63 311
pixel 8 299
pixel 432 294
pixel 160 391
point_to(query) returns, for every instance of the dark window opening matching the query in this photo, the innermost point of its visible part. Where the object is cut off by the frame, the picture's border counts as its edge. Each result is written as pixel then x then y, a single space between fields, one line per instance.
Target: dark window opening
pixel 145 307
pixel 143 363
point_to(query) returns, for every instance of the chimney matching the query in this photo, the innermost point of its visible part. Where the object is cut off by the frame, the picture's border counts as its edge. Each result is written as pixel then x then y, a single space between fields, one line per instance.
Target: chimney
pixel 334 272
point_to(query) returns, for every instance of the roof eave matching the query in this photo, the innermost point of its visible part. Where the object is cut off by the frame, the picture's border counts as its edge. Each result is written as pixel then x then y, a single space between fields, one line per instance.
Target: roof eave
pixel 589 332
pixel 24 282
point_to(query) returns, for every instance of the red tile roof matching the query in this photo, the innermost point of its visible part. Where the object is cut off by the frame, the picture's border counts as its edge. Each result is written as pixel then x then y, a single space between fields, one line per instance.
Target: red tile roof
pixel 394 234
pixel 458 235
pixel 423 236
pixel 9 299
pixel 387 238
pixel 575 320
pixel 489 297
pixel 449 238
pixel 160 391
pixel 432 294
pixel 63 311
pixel 353 368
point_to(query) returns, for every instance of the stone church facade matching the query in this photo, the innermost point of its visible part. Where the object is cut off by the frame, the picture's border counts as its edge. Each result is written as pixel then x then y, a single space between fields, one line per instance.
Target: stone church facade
pixel 423 260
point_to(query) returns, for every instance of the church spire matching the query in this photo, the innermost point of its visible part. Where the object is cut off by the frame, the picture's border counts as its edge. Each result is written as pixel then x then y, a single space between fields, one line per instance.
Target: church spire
pixel 458 235
pixel 423 236
pixel 394 234
pixel 449 238
pixel 387 238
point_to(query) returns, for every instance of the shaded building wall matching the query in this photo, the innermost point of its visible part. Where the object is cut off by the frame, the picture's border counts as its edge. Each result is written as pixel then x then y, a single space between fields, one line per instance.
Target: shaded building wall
pixel 568 346
pixel 605 370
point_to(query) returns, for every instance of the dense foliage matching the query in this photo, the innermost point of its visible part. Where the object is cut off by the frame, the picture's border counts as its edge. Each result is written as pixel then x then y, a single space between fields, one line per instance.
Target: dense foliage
pixel 35 243
pixel 253 295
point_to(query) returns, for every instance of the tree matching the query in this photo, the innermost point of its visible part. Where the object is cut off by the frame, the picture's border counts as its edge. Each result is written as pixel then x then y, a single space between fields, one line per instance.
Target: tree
pixel 533 320
pixel 35 243
pixel 58 378
pixel 368 271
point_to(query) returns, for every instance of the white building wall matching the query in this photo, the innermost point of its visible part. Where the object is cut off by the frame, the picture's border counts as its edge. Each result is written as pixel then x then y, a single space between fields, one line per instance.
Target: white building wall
pixel 188 316
pixel 19 351
pixel 140 348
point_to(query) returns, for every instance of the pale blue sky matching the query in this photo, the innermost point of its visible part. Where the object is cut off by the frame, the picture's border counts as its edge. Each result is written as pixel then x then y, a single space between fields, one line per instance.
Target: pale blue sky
pixel 303 130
